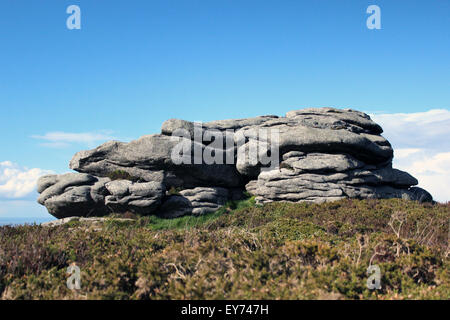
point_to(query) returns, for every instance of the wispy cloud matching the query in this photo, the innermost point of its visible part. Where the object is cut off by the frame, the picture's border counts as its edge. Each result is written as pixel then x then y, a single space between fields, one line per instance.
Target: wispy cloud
pixel 59 139
pixel 405 153
pixel 432 169
pixel 428 130
pixel 421 147
pixel 18 182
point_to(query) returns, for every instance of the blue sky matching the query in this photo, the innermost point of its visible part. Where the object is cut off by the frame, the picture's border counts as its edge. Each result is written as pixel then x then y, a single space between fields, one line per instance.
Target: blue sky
pixel 135 64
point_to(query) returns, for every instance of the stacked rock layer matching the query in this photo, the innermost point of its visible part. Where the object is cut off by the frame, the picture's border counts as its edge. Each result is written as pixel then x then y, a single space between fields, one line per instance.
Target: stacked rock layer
pixel 317 155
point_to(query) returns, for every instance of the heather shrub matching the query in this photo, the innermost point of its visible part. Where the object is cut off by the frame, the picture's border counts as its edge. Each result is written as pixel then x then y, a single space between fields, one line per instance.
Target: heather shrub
pixel 243 251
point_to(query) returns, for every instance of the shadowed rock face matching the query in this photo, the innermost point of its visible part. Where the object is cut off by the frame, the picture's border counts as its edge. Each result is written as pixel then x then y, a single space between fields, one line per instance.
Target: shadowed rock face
pixel 324 154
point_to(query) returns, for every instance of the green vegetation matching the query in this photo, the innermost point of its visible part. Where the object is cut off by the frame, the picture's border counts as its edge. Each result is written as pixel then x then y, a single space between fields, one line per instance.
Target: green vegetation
pixel 243 251
pixel 174 191
pixel 121 175
pixel 187 222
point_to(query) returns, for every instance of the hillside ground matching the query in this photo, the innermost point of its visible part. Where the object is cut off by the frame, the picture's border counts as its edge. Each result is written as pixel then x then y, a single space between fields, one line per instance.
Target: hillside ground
pixel 243 251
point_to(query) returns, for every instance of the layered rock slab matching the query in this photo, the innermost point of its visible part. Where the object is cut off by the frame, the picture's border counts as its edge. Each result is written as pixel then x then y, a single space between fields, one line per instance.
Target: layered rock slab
pixel 321 177
pixel 73 194
pixel 320 154
pixel 142 198
pixel 310 130
pixel 150 158
pixel 197 201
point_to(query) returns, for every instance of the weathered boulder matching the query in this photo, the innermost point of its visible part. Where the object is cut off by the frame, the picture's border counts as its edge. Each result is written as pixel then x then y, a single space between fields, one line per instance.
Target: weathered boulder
pixel 320 162
pixel 332 118
pixel 320 177
pixel 150 158
pixel 73 194
pixel 79 194
pixel 418 194
pixel 310 130
pixel 288 185
pixel 310 155
pixel 142 198
pixel 195 201
pixel 171 126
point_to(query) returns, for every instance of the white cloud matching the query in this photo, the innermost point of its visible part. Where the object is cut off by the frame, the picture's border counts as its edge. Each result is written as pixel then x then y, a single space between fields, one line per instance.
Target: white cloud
pixel 432 169
pixel 421 143
pixel 438 163
pixel 405 153
pixel 59 139
pixel 18 182
pixel 428 130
